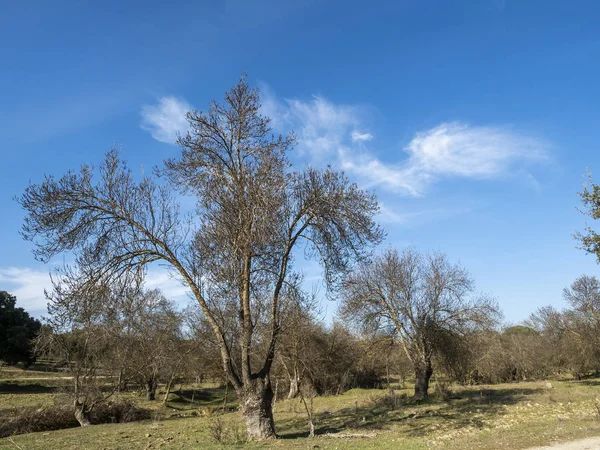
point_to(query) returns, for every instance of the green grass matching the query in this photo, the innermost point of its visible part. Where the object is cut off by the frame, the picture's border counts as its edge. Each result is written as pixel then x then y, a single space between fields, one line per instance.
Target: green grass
pixel 15 373
pixel 516 416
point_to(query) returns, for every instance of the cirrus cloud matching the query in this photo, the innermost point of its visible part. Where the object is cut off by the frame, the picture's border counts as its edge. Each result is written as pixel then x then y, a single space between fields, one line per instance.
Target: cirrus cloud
pixel 471 151
pixel 328 133
pixel 449 150
pixel 166 119
pixel 338 134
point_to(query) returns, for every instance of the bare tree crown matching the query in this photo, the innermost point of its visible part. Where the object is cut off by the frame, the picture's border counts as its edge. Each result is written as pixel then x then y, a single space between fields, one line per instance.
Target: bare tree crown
pixel 236 252
pixel 422 300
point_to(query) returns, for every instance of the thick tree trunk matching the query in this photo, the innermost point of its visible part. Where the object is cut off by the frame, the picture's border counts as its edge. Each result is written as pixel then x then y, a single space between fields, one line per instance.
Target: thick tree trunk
pixel 422 375
pixel 294 387
pixel 82 414
pixel 151 386
pixel 256 404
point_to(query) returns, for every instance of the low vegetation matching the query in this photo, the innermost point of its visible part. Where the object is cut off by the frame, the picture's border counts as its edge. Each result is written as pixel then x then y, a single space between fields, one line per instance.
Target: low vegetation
pixel 514 415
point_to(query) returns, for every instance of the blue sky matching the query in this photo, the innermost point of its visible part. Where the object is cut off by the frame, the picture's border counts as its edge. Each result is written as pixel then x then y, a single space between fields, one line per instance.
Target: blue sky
pixel 473 120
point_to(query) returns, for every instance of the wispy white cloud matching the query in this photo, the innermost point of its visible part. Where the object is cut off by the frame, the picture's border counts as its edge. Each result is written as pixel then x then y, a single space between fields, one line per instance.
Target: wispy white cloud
pixel 471 151
pixel 160 278
pixel 358 137
pixel 329 133
pixel 450 150
pixel 392 177
pixel 28 286
pixel 389 215
pixel 321 126
pixel 532 182
pixel 166 119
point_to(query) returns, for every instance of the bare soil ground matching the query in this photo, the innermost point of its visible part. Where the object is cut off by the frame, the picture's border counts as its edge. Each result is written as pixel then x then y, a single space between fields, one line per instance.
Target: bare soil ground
pixel 581 444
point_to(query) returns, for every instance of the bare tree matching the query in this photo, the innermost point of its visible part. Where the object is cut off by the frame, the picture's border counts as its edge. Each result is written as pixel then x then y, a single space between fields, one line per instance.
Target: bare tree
pixel 236 252
pixel 419 298
pixel 333 360
pixel 582 322
pixel 297 346
pixel 81 335
pixel 151 331
pixel 584 297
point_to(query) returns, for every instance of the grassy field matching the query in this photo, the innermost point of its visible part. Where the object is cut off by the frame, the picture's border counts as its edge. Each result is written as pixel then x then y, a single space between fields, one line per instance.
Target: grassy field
pixel 512 416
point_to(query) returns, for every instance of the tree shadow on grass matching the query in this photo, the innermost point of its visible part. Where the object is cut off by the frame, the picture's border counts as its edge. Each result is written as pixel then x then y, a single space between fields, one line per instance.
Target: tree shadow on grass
pixel 372 417
pixel 21 388
pixel 205 397
pixel 467 408
pixel 470 408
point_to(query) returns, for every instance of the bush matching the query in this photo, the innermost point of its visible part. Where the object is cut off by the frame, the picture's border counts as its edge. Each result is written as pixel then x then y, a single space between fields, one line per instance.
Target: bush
pixel 119 412
pixel 30 420
pixel 442 390
pixel 61 415
pixel 216 430
pixel 232 434
pixel 390 400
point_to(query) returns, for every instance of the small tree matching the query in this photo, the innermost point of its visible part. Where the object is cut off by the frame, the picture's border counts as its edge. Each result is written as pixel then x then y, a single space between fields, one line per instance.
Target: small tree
pixel 81 336
pixel 590 198
pixel 570 339
pixel 297 349
pixel 581 324
pixel 254 212
pixel 151 329
pixel 419 298
pixel 17 329
pixel 584 297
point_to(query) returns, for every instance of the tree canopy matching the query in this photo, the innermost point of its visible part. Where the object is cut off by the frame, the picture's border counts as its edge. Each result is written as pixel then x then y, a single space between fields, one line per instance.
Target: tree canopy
pixel 17 329
pixel 255 213
pixel 424 300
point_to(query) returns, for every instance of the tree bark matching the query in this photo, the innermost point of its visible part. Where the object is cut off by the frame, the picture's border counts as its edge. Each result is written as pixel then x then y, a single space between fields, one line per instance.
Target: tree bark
pixel 422 375
pixel 256 404
pixel 151 386
pixel 168 390
pixel 294 387
pixel 82 414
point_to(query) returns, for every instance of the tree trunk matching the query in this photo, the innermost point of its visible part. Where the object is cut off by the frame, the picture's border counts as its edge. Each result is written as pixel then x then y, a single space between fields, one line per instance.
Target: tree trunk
pixel 309 412
pixel 151 386
pixel 168 389
pixel 294 387
pixel 422 375
pixel 256 404
pixel 82 414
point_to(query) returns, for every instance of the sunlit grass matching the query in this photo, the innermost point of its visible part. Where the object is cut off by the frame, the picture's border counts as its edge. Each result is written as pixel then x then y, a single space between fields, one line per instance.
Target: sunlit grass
pixel 516 415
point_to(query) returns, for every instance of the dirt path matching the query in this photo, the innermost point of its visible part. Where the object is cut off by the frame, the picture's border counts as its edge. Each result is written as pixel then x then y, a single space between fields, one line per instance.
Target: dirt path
pixel 8 380
pixel 21 379
pixel 583 444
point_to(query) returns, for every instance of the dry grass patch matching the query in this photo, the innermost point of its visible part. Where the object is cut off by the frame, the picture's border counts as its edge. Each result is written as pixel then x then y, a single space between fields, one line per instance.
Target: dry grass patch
pixel 516 415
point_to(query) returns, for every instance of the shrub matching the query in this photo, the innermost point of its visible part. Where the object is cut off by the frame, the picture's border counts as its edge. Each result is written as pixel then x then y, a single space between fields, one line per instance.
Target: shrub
pixel 60 415
pixel 30 420
pixel 216 430
pixel 442 390
pixel 119 412
pixel 390 400
pixel 232 434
